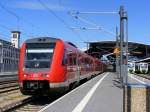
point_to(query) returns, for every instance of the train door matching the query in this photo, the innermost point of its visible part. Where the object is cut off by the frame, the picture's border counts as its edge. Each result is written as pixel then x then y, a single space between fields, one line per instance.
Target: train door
pixel 72 68
pixel 64 61
pixel 69 64
pixel 78 67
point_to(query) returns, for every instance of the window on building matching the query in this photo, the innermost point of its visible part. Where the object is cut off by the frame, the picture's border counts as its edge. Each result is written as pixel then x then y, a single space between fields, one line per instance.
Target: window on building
pixel 15 35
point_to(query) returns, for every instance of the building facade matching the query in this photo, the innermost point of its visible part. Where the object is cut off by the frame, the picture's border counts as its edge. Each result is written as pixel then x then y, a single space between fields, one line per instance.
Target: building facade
pixel 15 38
pixel 9 57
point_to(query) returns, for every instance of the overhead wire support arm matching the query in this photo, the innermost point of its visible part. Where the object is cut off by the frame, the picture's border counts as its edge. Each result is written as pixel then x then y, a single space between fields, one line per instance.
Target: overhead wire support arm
pixel 84 28
pixel 92 28
pixel 90 23
pixel 99 12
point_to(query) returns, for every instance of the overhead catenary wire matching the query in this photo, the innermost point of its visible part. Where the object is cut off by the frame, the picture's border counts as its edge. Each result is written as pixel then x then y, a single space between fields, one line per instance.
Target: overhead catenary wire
pixel 9 29
pixel 104 12
pixel 87 39
pixel 12 13
pixel 92 24
pixel 4 36
pixel 19 18
pixel 53 13
pixel 31 24
pixel 84 20
pixel 59 19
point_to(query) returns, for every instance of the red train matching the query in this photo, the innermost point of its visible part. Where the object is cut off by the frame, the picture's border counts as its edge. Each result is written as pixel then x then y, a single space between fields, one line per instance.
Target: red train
pixel 52 65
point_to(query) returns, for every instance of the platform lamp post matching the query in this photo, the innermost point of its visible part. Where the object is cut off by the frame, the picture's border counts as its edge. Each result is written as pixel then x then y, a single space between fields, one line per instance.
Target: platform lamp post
pixel 123 46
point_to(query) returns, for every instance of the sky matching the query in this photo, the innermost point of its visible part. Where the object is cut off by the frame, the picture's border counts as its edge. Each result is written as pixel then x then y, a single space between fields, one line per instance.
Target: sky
pixel 52 18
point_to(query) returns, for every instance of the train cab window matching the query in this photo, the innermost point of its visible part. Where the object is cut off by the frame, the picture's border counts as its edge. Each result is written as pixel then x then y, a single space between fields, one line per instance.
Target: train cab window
pixel 64 61
pixel 38 55
pixel 144 65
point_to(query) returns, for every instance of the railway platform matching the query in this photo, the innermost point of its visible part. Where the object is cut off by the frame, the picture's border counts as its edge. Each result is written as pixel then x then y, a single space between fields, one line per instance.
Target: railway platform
pixel 100 94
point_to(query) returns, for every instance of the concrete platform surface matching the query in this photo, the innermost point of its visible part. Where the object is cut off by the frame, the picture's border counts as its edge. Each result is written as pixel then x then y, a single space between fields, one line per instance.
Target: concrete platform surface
pixel 100 94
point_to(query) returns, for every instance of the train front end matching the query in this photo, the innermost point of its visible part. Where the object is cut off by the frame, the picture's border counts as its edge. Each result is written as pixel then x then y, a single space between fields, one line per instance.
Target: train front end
pixel 35 67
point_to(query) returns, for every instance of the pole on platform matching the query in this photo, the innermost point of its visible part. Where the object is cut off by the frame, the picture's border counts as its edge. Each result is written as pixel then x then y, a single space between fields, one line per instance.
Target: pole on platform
pixel 123 46
pixel 127 50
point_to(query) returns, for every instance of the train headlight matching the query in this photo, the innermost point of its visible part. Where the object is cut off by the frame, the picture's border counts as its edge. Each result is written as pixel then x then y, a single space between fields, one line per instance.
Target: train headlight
pixel 25 75
pixel 45 75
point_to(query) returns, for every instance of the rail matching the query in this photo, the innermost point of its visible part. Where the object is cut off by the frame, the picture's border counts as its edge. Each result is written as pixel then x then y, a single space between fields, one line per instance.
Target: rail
pixel 8 77
pixel 16 104
pixel 146 76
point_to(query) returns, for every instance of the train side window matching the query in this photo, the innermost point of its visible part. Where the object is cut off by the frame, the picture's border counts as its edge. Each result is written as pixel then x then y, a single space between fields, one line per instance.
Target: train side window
pixel 74 59
pixel 64 61
pixel 71 59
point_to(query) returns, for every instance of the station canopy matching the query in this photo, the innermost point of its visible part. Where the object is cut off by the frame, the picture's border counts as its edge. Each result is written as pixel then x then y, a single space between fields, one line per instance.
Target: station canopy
pixel 136 51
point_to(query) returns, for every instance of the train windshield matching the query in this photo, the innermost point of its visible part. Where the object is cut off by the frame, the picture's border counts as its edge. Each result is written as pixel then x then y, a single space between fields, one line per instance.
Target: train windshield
pixel 144 65
pixel 130 65
pixel 38 55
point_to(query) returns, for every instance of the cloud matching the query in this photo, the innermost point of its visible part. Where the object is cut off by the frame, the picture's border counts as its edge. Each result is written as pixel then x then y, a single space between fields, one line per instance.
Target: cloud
pixel 32 5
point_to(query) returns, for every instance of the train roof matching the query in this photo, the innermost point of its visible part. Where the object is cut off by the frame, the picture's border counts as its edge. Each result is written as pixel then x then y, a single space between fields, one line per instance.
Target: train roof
pixel 42 40
pixel 70 43
pixel 46 40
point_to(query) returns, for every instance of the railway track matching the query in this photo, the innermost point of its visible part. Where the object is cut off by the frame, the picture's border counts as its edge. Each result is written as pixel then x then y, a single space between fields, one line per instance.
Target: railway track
pixel 34 105
pixel 146 76
pixel 29 104
pixel 21 103
pixel 14 101
pixel 15 104
pixel 8 77
pixel 10 94
pixel 7 86
pixel 11 99
pixel 8 82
